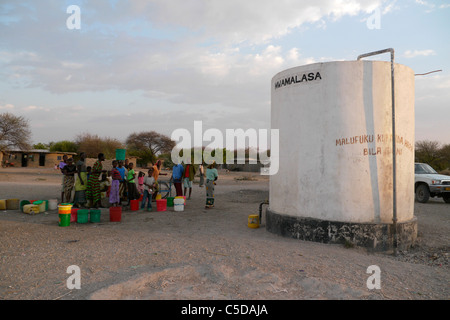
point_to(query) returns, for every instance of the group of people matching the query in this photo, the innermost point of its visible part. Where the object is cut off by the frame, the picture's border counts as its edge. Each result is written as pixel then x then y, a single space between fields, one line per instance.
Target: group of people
pixel 93 184
pixel 183 175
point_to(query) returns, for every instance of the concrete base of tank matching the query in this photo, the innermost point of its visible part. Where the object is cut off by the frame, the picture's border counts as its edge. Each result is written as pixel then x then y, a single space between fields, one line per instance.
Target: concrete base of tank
pixel 375 237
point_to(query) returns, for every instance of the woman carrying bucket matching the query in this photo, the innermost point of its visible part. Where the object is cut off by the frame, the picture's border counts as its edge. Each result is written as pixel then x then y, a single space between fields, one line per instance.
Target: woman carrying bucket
pixel 114 195
pixel 211 177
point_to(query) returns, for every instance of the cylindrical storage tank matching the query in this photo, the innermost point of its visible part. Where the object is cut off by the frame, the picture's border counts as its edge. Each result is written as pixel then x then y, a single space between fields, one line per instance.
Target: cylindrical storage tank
pixel 335 177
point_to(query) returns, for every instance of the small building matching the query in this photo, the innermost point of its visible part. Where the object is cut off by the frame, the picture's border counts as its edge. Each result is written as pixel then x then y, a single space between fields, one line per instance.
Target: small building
pixel 34 158
pixel 244 165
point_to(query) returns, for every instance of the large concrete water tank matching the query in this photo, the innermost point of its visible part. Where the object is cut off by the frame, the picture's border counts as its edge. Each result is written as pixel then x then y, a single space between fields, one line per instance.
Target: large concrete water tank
pixel 335 180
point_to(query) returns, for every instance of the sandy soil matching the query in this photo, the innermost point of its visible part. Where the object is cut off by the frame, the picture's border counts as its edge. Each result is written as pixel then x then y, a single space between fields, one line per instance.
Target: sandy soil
pixel 202 254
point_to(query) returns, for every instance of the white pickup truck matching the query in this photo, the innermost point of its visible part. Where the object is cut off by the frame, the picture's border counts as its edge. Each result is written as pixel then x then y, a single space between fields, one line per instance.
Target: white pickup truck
pixel 429 183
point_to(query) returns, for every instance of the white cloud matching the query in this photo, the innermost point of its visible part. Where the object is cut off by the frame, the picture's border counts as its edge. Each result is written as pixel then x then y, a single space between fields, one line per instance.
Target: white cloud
pixel 35 108
pixel 7 107
pixel 236 21
pixel 416 53
pixel 108 55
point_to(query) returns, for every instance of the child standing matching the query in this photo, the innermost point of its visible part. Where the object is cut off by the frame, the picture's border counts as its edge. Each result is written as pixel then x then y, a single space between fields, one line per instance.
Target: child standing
pixel 132 190
pixel 141 182
pixel 149 187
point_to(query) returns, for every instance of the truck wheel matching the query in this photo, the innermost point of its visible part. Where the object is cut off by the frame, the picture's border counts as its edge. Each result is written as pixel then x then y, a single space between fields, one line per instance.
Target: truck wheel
pixel 446 197
pixel 422 193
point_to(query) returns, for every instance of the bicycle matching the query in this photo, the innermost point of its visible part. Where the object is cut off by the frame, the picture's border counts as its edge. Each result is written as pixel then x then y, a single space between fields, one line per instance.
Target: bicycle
pixel 165 188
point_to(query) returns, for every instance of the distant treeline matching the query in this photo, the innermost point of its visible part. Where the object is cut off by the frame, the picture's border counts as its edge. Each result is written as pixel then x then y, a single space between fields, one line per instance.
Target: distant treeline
pixel 434 154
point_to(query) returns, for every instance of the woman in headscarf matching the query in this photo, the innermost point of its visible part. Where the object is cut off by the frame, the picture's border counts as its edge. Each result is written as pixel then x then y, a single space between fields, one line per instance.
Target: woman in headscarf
pixel 93 192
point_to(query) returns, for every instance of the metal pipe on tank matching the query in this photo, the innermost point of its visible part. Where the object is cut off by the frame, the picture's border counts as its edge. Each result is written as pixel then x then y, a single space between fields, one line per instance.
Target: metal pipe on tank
pixel 394 178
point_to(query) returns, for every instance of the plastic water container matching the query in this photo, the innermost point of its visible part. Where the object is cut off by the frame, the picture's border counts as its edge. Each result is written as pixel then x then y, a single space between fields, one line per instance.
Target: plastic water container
pixel 41 205
pixel 63 208
pixel 115 214
pixel 134 205
pixel 82 216
pixel 73 214
pixel 2 204
pixel 253 221
pixel 30 209
pixel 161 204
pixel 182 197
pixel 170 201
pixel 120 154
pixel 95 215
pixel 64 220
pixel 178 204
pixel 22 203
pixel 12 204
pixel 52 204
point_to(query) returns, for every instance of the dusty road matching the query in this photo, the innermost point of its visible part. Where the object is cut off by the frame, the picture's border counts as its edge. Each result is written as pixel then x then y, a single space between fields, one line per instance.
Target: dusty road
pixel 202 254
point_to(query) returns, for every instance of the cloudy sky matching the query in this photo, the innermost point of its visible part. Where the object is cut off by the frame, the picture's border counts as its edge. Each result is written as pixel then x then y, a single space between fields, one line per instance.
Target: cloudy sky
pixel 140 65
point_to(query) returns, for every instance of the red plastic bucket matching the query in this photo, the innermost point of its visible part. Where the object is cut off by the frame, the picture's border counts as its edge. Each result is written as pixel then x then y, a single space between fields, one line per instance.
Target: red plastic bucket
pixel 161 204
pixel 115 214
pixel 73 215
pixel 134 205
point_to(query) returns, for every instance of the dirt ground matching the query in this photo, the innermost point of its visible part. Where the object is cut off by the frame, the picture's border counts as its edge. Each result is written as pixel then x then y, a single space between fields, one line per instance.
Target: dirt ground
pixel 201 254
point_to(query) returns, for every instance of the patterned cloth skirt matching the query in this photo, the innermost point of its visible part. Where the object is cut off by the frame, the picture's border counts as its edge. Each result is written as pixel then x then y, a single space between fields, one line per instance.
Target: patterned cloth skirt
pixel 114 196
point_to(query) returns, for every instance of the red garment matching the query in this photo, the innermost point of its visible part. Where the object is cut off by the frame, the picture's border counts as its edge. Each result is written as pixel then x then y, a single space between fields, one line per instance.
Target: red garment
pixel 186 173
pixel 115 174
pixel 178 189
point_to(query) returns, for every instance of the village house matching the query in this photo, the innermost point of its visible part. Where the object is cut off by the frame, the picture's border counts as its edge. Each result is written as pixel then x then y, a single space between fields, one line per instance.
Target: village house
pixel 41 158
pixel 34 158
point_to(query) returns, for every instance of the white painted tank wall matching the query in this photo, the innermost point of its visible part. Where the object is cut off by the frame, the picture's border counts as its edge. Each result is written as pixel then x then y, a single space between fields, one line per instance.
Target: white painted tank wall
pixel 335 142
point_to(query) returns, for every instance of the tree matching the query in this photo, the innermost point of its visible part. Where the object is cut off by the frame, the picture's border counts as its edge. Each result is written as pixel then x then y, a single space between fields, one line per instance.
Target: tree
pixel 428 152
pixel 14 132
pixel 41 146
pixel 92 145
pixel 63 146
pixel 148 145
pixel 445 156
